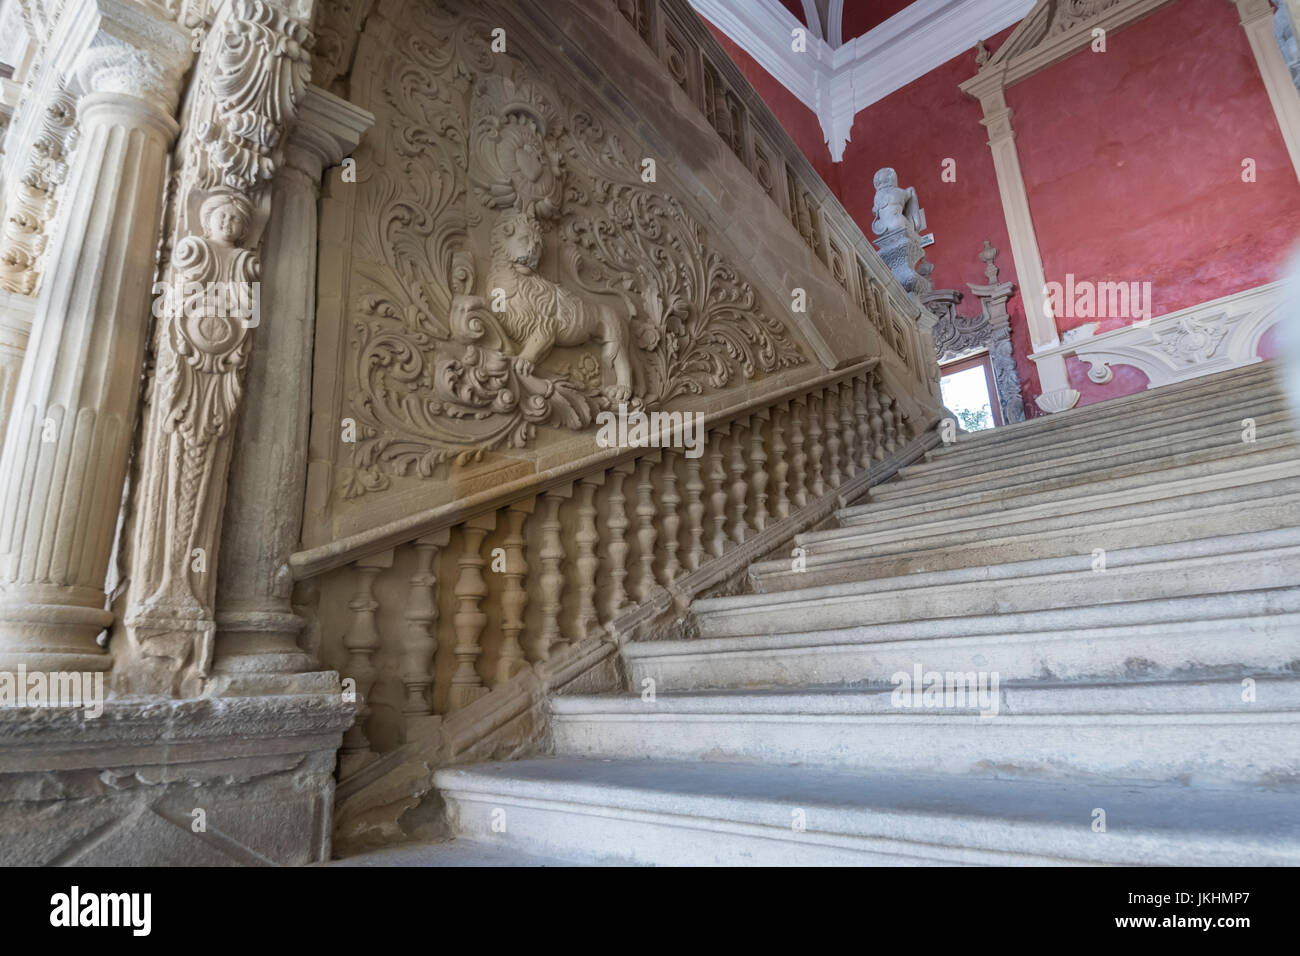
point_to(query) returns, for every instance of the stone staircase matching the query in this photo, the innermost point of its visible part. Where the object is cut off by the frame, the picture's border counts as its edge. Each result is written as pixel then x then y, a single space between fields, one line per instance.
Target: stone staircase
pixel 1122 569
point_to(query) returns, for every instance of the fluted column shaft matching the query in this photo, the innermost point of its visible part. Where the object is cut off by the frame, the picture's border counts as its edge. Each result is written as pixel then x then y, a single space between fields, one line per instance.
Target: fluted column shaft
pixel 67 444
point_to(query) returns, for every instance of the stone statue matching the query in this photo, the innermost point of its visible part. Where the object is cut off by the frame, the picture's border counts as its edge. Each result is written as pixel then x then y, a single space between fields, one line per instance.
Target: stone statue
pixel 895 208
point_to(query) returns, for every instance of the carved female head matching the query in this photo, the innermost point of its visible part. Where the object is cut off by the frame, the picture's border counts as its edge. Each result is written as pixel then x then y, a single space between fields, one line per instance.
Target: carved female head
pixel 225 217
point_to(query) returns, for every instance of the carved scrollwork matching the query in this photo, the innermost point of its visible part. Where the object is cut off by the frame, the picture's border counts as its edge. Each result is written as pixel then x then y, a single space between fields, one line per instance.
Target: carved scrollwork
pixel 480 160
pixel 956 335
pixel 702 319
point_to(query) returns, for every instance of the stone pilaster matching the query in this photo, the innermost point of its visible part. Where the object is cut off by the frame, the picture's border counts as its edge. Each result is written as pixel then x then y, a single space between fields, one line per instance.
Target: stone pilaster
pixel 65 450
pixel 257 631
pixel 250 82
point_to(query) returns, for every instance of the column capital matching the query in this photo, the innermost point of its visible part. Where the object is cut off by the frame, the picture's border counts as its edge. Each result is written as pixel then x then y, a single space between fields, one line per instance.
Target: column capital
pixel 328 128
pixel 130 51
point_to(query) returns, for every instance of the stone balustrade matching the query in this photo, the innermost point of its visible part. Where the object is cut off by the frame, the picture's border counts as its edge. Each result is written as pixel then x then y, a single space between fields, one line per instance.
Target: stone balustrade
pixel 611 552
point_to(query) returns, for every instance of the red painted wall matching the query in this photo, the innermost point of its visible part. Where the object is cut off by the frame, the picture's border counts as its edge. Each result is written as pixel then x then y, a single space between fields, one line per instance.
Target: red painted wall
pixel 914 130
pixel 799 121
pixel 1139 178
pixel 1132 159
pixel 863 15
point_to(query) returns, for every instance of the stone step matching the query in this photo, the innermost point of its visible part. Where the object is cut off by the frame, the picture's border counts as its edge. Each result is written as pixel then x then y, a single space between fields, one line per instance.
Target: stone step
pixel 1103 463
pixel 1129 478
pixel 448 853
pixel 1197 732
pixel 1099 431
pixel 1258 379
pixel 1157 498
pixel 1272 505
pixel 675 813
pixel 1236 635
pixel 1228 416
pixel 1121 449
pixel 1222 565
pixel 984 519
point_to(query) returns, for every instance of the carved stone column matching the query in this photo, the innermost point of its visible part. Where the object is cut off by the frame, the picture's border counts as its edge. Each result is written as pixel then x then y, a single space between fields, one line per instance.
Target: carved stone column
pixel 249 83
pixel 257 629
pixel 16 313
pixel 65 450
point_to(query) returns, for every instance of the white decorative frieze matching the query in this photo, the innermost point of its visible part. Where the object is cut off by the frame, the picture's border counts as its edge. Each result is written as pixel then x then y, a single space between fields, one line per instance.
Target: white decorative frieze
pixel 1201 340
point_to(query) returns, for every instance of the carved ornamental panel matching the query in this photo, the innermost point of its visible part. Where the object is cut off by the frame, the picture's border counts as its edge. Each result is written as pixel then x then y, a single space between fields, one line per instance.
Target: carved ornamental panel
pixel 510 270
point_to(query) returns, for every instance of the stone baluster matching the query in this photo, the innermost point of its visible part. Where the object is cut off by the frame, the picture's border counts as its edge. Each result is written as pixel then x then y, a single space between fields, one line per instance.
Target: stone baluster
pixel 861 384
pixel 551 580
pixel 780 466
pixel 68 441
pixel 848 435
pixel 877 422
pixel 739 488
pixel 420 641
pixel 361 641
pixel 816 450
pixel 514 593
pixel 831 426
pixel 798 457
pixel 758 476
pixel 694 513
pixel 889 415
pixel 617 523
pixel 671 520
pixel 470 620
pixel 717 494
pixel 586 563
pixel 646 535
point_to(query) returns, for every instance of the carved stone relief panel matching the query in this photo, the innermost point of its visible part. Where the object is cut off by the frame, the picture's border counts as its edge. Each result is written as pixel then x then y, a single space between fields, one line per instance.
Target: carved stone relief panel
pixel 509 274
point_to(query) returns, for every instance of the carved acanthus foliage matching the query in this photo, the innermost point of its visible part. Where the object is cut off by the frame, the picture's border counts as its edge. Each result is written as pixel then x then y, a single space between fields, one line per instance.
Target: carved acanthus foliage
pixel 1068 14
pixel 248 82
pixel 32 199
pixel 251 77
pixel 338 26
pixel 955 335
pixel 504 240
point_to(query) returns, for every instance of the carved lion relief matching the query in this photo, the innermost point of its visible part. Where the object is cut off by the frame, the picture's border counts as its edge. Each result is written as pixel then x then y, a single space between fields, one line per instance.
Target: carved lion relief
pixel 511 270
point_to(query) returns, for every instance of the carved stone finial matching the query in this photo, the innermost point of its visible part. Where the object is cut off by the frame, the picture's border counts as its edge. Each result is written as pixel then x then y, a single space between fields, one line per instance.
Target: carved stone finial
pixel 982 54
pixel 987 256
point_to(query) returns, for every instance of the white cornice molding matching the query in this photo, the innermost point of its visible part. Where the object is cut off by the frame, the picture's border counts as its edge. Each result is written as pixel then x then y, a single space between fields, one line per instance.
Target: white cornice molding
pixel 763 29
pixel 837 84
